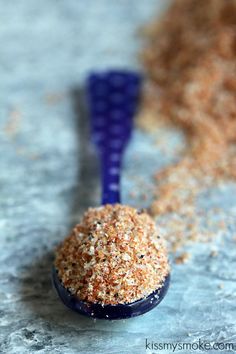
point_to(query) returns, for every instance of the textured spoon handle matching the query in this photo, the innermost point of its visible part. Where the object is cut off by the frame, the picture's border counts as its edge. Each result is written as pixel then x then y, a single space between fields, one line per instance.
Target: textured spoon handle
pixel 113 98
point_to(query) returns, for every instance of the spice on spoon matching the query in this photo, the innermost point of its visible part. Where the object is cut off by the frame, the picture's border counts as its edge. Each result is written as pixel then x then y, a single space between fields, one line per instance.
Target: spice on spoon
pixel 113 256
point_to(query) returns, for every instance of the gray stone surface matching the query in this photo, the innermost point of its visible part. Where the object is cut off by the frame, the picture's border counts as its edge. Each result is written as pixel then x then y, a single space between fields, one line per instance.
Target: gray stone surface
pixel 48 178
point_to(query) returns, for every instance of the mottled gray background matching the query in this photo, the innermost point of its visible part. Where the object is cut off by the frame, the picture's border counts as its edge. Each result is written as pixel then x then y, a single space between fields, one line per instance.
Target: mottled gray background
pixel 48 178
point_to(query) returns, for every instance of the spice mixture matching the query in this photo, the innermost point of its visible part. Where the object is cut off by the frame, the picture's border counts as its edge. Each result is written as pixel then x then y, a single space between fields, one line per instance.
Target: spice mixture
pixel 190 61
pixel 113 256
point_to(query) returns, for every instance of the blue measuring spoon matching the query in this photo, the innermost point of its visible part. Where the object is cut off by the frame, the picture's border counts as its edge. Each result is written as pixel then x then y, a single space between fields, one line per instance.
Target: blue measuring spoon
pixel 113 98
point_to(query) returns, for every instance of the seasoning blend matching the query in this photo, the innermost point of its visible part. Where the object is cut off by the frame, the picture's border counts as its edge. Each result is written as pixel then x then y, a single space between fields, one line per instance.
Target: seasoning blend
pixel 114 256
pixel 190 61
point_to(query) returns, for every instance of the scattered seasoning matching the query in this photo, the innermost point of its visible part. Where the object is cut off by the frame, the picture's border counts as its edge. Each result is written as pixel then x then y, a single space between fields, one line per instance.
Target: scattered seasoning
pixel 122 262
pixel 183 258
pixel 13 124
pixel 190 61
pixel 214 253
pixel 53 98
pixel 132 195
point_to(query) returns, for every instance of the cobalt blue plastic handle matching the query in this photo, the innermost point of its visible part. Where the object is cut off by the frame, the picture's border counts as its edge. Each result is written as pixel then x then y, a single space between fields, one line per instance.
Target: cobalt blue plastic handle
pixel 113 99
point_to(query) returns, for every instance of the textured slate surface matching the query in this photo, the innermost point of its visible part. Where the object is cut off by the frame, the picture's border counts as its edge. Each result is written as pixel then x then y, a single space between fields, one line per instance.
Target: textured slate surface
pixel 48 178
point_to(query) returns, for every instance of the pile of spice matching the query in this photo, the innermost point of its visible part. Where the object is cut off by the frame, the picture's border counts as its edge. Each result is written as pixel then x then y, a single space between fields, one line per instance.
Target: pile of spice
pixel 113 256
pixel 190 61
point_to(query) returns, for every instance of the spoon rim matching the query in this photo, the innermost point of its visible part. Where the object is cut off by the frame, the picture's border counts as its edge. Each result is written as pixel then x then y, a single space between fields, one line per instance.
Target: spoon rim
pixel 110 311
